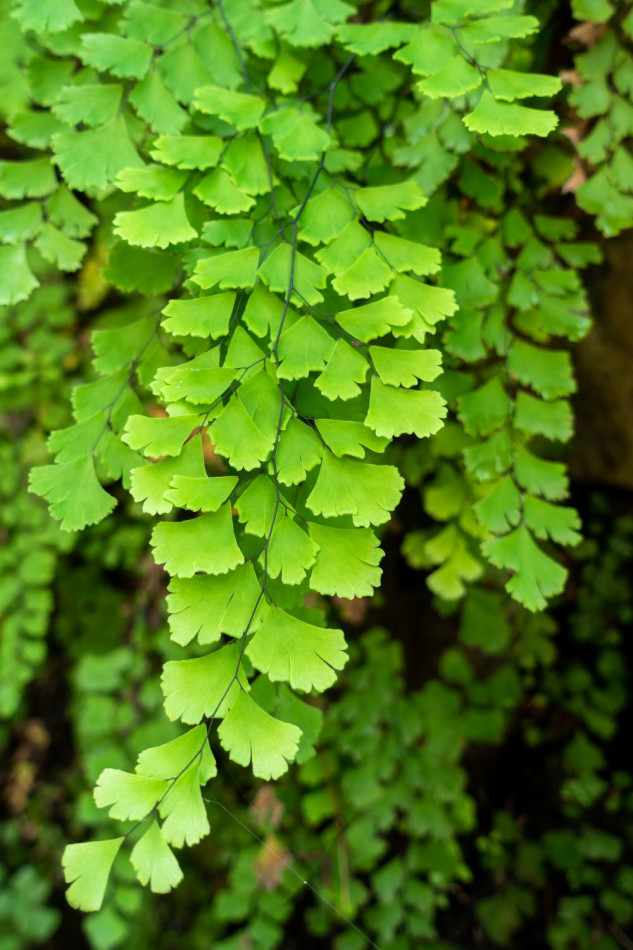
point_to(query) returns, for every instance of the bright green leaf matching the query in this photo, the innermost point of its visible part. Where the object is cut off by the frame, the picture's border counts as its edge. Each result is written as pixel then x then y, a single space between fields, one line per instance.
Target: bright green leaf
pixel 204 544
pixel 289 650
pixel 205 686
pixel 154 862
pixel 251 735
pixel 87 869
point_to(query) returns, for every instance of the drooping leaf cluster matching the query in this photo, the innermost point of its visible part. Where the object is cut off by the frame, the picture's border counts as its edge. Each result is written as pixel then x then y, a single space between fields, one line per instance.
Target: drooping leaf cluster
pixel 282 391
pixel 601 99
pixel 36 353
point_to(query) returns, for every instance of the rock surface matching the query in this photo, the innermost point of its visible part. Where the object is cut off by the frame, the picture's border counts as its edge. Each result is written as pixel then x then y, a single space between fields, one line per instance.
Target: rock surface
pixel 602 449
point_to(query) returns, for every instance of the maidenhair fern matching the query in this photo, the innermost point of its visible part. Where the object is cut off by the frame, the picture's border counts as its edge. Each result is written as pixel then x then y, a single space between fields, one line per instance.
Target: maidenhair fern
pixel 601 99
pixel 259 175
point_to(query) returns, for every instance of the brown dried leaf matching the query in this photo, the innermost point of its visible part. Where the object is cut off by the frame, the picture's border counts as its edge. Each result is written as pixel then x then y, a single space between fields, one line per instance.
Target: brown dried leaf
pixel 19 786
pixel 571 76
pixel 266 808
pixel 352 610
pixel 575 133
pixel 575 180
pixel 271 862
pixel 587 33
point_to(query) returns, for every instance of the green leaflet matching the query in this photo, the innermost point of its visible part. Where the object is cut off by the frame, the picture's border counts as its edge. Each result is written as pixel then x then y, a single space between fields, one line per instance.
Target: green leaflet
pixel 157 225
pixel 87 868
pixel 151 23
pixel 406 367
pixel 347 561
pixel 204 544
pixel 51 16
pixel 206 606
pixel 69 214
pixel 30 179
pixel 308 22
pixel 349 438
pixel 156 437
pixel 308 277
pixel 152 181
pixel 19 224
pixel 288 649
pixel 156 105
pixel 403 255
pixel 500 510
pixel 368 275
pixel 218 191
pixel 172 757
pixel 298 452
pixel 552 521
pixel 429 51
pixel 290 552
pixel 197 384
pixel 93 159
pixel 394 411
pixel 131 796
pixel 551 419
pixel 150 483
pixel 154 861
pixel 91 104
pixel 342 253
pixel 56 247
pixel 295 136
pixel 200 316
pixel 251 736
pixel 548 372
pixel 457 566
pixel 540 476
pixel 245 431
pixel 344 372
pixel 484 409
pixel 324 217
pixel 239 438
pixel 18 280
pixel 427 305
pixel 206 686
pixel 256 505
pixel 303 348
pixel 235 269
pixel 499 118
pixel 506 84
pixel 372 38
pixel 184 811
pixel 187 151
pixel 119 55
pixel 389 202
pixel 455 78
pixel 537 576
pixel 237 108
pixel 245 161
pixel 200 493
pixel 499 27
pixel 374 320
pixel 150 272
pixel 73 492
pixel 346 487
